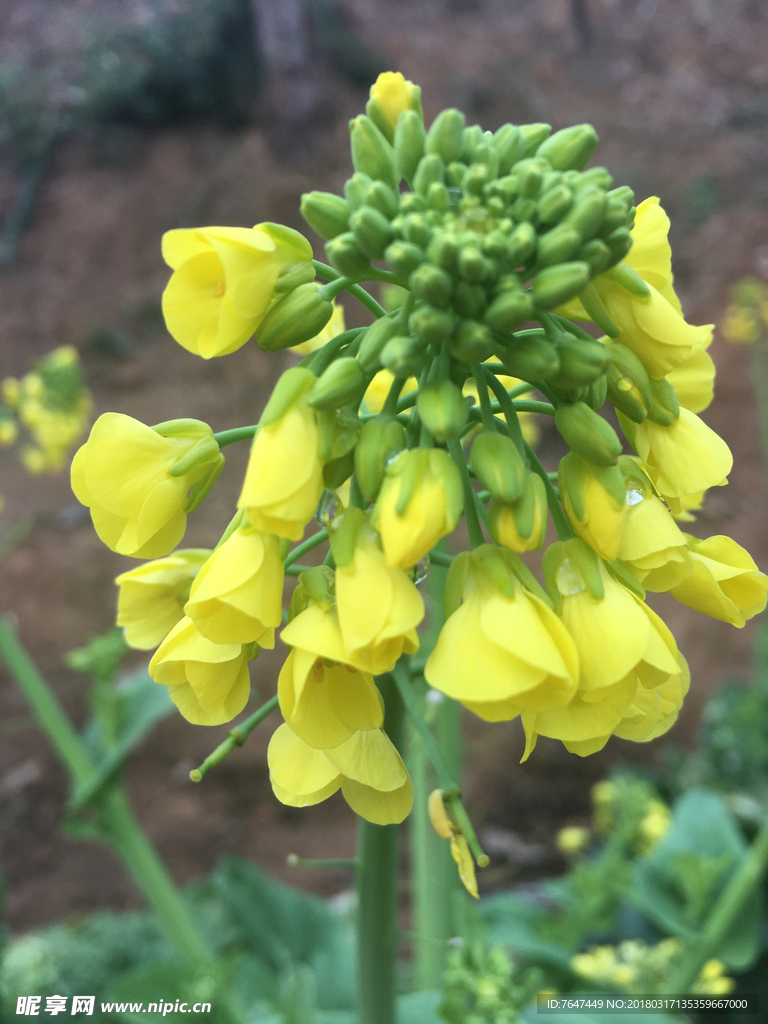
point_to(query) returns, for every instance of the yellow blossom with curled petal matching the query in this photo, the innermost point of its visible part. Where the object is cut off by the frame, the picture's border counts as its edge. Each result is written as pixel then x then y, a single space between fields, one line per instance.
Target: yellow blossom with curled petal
pixel 366 767
pixel 378 389
pixel 209 683
pixel 694 381
pixel 284 478
pixel 683 459
pixel 420 502
pixel 224 280
pixel 503 649
pixel 447 829
pixel 128 475
pixel 237 597
pixel 152 596
pixel 335 326
pixel 324 699
pixel 651 254
pixel 654 710
pixel 653 546
pixel 379 607
pixel 393 93
pixel 725 582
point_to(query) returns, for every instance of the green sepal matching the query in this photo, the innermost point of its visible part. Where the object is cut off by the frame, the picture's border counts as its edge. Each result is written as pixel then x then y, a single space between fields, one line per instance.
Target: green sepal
pixel 588 434
pixel 534 135
pixel 492 560
pixel 240 518
pixel 455 581
pixel 319 585
pixel 557 245
pixel 595 393
pixel 338 471
pixel 631 469
pixel 342 534
pixel 665 407
pixel 529 176
pixel 290 387
pixel 410 466
pixel 203 485
pixel 325 212
pixel 302 273
pixel 206 450
pixel 570 480
pixel 470 300
pixel 382 198
pixel 374 340
pixel 521 570
pixel 498 465
pixel 554 285
pixel 342 382
pixel 372 231
pixel 184 427
pixel 301 315
pixel 588 212
pixel 371 153
pixel 409 144
pixel 446 134
pixel 626 578
pixel 339 433
pixel 380 440
pixel 629 387
pixel 251 650
pixel 588 564
pixel 596 311
pixel 596 253
pixel 554 204
pixel 442 409
pixel 551 561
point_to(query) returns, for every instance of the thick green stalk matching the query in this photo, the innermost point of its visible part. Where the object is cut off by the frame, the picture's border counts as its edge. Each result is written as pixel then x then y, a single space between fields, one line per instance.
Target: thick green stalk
pixel 728 908
pixel 305 546
pixel 377 894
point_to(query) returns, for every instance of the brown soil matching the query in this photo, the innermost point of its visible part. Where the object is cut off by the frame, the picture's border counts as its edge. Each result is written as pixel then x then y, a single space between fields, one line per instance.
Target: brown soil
pixel 679 94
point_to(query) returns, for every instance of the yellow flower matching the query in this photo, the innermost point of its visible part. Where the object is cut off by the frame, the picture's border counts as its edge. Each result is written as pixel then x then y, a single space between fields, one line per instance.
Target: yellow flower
pixel 378 389
pixel 741 325
pixel 152 596
pixel 694 381
pixel 335 326
pixel 284 478
pixel 391 94
pixel 654 709
pixel 503 649
pixel 237 597
pixel 378 607
pixel 654 825
pixel 11 391
pixel 460 851
pixel 366 767
pixel 521 525
pixel 209 683
pixel 682 459
pixel 725 582
pixel 654 546
pixel 593 499
pixel 9 431
pixel 324 699
pixel 135 480
pixel 419 503
pixel 224 281
pixel 651 254
pixel 572 839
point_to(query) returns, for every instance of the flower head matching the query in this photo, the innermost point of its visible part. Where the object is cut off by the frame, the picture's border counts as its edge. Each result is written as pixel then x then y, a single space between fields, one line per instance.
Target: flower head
pixel 653 546
pixel 152 596
pixel 593 498
pixel 724 583
pixel 391 94
pixel 224 280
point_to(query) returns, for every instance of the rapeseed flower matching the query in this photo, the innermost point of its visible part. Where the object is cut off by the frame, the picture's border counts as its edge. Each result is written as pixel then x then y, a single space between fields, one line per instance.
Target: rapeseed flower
pixel 724 583
pixel 152 596
pixel 653 546
pixel 390 95
pixel 594 501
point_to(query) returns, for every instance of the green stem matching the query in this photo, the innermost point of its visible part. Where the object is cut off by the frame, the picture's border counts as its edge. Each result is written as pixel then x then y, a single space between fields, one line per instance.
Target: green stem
pixel 727 910
pixel 391 401
pixel 470 512
pixel 354 289
pixel 225 437
pixel 318 360
pixel 294 861
pixel 378 896
pixel 563 527
pixel 305 546
pixel 486 412
pixel 235 738
pixel 508 409
pixel 440 557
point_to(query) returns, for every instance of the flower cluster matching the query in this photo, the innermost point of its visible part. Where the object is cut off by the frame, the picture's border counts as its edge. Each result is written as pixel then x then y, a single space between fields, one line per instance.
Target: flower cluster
pixel 635 967
pixel 503 250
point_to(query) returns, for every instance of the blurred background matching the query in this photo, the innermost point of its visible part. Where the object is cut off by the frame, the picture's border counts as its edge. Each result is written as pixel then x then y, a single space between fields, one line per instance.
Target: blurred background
pixel 121 119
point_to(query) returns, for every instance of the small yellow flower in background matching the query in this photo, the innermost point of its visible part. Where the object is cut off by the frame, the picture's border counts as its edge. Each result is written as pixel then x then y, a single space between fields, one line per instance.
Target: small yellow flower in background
pixel 741 326
pixel 419 503
pixel 712 980
pixel 209 683
pixel 653 546
pixel 447 829
pixel 683 459
pixel 572 840
pixel 284 478
pixel 503 649
pixel 379 607
pixel 391 94
pixel 224 281
pixel 152 596
pixel 378 389
pixel 725 582
pixel 9 431
pixel 237 597
pixel 654 825
pixel 11 392
pixel 136 480
pixel 334 326
pixel 367 768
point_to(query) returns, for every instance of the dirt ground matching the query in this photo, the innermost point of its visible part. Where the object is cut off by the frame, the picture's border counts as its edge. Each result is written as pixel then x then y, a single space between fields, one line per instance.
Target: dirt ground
pixel 678 90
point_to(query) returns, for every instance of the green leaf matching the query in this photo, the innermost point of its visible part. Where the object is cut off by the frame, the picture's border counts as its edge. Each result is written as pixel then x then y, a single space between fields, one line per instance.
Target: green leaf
pixel 159 985
pixel 419 1008
pixel 511 920
pixel 531 1016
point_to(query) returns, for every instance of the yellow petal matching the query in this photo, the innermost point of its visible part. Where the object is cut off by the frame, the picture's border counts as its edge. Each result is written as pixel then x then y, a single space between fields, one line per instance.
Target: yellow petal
pixel 370 757
pixel 388 808
pixel 295 766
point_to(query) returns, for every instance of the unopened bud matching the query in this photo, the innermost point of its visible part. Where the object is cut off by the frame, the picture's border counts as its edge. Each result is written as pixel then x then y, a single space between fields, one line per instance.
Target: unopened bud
pixel 534 135
pixel 431 169
pixel 554 285
pixel 470 300
pixel 588 434
pixel 404 257
pixel 431 326
pixel 340 383
pixel 521 525
pixel 471 139
pixel 554 204
pixel 629 387
pixel 473 266
pixel 665 408
pixel 392 95
pixel 509 310
pixel 442 409
pixel 599 176
pixel 301 315
pixel 594 500
pixel 498 465
pixel 431 284
pixel 529 177
pixel 588 212
pixel 443 250
pixel 438 198
pixel 371 153
pixel 570 148
pixel 403 355
pixel 619 242
pixel 595 393
pixel 372 231
pixel 521 244
pixel 382 198
pixel 326 213
pixel 581 362
pixel 476 177
pixel 356 190
pixel 531 359
pixel 409 144
pixel 445 135
pixel 417 229
pixel 557 245
pixel 374 340
pixel 380 440
pixel 345 255
pixel 510 145
pixel 596 254
pixel 472 343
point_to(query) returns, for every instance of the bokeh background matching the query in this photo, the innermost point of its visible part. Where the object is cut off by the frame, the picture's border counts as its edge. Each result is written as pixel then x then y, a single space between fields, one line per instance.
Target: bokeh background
pixel 120 119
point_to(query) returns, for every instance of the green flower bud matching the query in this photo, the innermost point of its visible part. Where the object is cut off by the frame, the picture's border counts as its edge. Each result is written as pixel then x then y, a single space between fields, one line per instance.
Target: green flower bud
pixel 495 245
pixel 665 408
pixel 623 193
pixel 509 310
pixel 345 256
pixel 338 471
pixel 356 190
pixel 472 343
pixel 431 284
pixel 555 285
pixel 581 362
pixel 403 355
pixel 372 231
pixel 486 156
pixel 371 153
pixel 438 198
pixel 301 315
pixel 343 533
pixel 588 434
pixel 404 257
pixel 411 202
pixel 554 204
pixel 529 177
pixel 595 393
pixel 340 383
pixel 431 168
pixel 599 176
pixel 442 409
pixel 534 135
pixel 595 253
pixel 409 144
pixel 417 229
pixel 498 465
pixel 381 439
pixel 471 139
pixel 529 358
pixel 470 300
pixel 475 179
pixel 454 173
pixel 615 216
pixel 473 266
pixel 570 148
pixel 521 244
pixel 557 245
pixel 446 134
pixel 510 145
pixel 303 273
pixel 382 198
pixel 338 433
pixel 588 211
pixel 443 250
pixel 619 242
pixel 326 213
pixel 629 387
pixel 290 387
pixel 374 340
